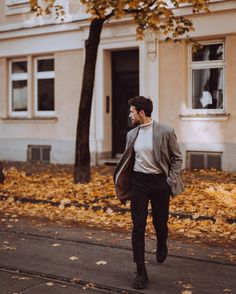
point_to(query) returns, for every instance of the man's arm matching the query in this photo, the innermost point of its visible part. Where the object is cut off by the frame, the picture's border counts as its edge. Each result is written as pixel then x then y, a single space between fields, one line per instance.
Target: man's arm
pixel 176 158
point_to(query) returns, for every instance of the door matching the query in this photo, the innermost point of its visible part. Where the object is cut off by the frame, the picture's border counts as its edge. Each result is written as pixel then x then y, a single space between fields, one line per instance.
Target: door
pixel 125 85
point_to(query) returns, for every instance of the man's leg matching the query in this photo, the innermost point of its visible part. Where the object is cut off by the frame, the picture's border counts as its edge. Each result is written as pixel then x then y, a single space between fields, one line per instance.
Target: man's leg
pixel 139 212
pixel 160 197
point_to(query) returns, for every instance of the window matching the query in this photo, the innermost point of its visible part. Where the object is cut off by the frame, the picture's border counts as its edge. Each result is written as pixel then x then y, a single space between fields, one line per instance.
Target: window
pixel 44 86
pixel 207 79
pixel 18 87
pixel 39 153
pixel 26 85
pixel 204 160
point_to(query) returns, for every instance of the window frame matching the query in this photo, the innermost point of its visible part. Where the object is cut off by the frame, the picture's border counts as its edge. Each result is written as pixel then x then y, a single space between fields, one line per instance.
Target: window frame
pixel 16 77
pixel 205 155
pixel 42 75
pixel 41 149
pixel 193 65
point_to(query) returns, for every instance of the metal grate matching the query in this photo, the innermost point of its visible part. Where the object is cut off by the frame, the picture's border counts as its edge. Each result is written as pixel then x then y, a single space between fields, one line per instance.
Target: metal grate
pixel 35 154
pixel 39 153
pixel 214 161
pixel 204 160
pixel 197 161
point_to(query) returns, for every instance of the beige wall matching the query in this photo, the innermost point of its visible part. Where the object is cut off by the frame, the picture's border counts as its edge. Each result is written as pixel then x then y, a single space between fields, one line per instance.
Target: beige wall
pixel 174 96
pixel 209 134
pixel 66 43
pixel 173 82
pixel 230 55
pixel 68 72
pixel 73 8
pixel 7 19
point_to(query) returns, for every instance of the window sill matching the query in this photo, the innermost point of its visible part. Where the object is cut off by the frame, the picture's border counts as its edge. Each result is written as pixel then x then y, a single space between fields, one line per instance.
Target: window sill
pixel 44 119
pixel 207 116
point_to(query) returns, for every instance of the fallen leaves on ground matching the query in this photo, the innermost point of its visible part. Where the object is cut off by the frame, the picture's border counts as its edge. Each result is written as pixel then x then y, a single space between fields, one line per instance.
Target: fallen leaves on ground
pixel 75 280
pixel 73 258
pixel 7 247
pixel 21 278
pixel 208 193
pixel 56 245
pixel 88 286
pixel 101 262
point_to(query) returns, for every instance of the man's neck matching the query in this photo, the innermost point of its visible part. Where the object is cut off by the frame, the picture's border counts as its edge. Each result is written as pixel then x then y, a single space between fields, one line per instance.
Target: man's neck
pixel 146 120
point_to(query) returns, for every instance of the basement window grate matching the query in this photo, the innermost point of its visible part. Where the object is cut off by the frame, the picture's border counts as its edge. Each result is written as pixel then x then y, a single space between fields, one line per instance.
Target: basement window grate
pixel 204 160
pixel 39 153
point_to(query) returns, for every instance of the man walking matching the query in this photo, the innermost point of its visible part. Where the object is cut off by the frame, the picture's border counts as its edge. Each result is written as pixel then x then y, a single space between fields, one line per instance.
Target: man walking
pixel 148 170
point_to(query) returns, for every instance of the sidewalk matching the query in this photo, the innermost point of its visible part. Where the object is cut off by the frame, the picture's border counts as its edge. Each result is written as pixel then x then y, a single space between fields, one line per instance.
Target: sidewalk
pixel 38 257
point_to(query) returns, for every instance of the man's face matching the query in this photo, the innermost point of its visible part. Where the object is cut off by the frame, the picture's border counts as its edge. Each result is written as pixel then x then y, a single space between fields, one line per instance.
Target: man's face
pixel 135 116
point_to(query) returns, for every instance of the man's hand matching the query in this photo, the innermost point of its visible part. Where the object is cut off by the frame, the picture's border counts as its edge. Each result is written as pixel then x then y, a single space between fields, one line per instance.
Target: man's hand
pixel 123 201
pixel 2 177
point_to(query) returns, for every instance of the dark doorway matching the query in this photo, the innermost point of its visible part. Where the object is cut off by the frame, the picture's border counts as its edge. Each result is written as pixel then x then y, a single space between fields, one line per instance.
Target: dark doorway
pixel 125 85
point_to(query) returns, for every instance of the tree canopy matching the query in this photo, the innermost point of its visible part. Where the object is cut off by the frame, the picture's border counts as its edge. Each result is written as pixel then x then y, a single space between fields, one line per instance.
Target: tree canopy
pixel 149 15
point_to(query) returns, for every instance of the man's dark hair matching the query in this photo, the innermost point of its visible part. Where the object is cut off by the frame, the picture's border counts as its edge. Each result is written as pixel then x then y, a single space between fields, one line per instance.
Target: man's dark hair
pixel 142 103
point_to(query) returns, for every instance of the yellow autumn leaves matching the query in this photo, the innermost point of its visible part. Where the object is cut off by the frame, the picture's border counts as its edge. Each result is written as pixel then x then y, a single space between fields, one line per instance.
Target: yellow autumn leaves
pixel 208 193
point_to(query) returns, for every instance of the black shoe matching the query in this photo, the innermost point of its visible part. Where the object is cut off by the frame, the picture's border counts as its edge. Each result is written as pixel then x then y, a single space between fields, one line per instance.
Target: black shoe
pixel 162 252
pixel 140 282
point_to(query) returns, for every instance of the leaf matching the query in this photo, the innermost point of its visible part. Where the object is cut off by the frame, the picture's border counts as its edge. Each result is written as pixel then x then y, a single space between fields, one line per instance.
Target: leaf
pixel 6 247
pixel 187 286
pixel 56 245
pixel 101 262
pixel 89 285
pixel 109 211
pixel 73 258
pixel 186 292
pixel 21 278
pixel 75 280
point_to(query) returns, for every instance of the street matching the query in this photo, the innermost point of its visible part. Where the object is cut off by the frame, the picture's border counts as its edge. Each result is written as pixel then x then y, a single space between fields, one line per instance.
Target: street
pixel 42 257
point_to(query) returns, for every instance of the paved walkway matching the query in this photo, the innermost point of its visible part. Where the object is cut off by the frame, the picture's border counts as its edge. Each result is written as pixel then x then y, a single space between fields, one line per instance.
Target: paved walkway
pixel 38 257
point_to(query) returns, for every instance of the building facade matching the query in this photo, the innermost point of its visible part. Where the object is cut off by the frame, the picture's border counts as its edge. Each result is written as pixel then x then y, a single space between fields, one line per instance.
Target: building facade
pixel 41 66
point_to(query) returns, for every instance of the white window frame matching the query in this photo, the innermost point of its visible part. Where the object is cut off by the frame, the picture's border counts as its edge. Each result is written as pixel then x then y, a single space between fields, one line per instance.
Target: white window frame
pixel 42 75
pixel 17 77
pixel 206 65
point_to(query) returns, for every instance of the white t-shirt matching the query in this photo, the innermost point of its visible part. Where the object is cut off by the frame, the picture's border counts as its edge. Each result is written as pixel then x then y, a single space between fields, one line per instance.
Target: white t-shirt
pixel 143 147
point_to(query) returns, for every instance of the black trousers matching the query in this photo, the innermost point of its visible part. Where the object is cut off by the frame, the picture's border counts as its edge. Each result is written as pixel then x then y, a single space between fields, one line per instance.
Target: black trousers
pixel 145 187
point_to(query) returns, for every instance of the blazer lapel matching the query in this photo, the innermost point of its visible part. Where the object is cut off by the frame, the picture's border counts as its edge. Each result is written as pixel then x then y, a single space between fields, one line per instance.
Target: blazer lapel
pixel 133 137
pixel 157 138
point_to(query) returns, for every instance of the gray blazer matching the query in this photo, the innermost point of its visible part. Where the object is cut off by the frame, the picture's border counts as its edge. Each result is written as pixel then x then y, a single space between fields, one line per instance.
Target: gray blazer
pixel 167 154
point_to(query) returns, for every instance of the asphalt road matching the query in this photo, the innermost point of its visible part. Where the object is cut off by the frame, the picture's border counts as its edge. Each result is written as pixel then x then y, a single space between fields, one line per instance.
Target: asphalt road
pixel 37 257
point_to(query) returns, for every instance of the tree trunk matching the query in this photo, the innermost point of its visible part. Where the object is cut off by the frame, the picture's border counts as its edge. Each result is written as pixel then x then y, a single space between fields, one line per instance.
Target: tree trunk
pixel 82 152
pixel 2 177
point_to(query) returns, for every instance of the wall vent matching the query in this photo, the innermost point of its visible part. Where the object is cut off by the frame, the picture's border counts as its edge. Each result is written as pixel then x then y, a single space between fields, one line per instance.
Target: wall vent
pixel 204 160
pixel 39 153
